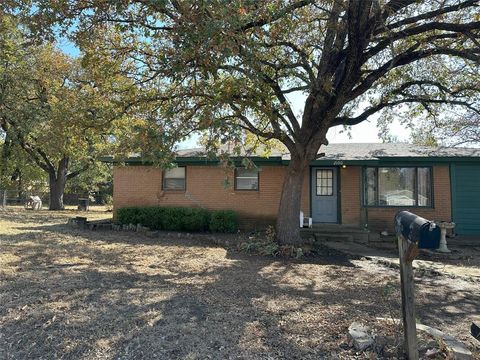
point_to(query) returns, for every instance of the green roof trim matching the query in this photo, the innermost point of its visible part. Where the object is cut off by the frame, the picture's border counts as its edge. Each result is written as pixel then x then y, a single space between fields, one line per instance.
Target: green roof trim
pixel 195 160
pixel 335 155
pixel 277 160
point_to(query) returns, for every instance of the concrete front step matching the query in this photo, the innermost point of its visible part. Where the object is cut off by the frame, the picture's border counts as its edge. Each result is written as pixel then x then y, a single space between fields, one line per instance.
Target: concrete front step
pixel 335 232
pixel 319 237
pixel 337 227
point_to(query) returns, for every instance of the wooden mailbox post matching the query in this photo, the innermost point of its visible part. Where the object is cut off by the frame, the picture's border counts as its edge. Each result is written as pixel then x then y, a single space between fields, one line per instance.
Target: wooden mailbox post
pixel 413 233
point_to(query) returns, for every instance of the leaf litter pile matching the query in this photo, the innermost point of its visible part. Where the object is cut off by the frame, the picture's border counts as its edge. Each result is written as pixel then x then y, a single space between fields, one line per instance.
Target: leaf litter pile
pixel 79 294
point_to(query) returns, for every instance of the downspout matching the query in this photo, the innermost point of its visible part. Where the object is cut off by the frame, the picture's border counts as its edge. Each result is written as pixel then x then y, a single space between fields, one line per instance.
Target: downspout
pixel 362 198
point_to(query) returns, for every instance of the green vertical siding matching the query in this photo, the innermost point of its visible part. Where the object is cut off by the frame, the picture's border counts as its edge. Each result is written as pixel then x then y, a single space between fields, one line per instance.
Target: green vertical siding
pixel 466 198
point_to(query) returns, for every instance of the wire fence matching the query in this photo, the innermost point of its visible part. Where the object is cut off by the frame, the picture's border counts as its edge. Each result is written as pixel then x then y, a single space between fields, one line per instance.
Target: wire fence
pixel 19 198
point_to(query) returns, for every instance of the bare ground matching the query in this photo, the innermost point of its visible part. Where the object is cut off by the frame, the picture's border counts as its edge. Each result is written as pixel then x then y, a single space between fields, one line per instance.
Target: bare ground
pixel 77 294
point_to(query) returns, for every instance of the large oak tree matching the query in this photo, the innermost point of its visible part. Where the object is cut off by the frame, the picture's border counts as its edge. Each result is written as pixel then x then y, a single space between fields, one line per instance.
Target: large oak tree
pixel 226 67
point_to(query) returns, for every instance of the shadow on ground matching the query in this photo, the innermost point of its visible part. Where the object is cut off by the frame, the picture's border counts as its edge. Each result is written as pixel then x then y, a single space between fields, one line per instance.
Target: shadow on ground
pixel 82 294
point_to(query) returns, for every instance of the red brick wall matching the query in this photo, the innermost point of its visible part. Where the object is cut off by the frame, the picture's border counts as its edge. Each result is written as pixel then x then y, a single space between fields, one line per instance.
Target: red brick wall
pixel 350 185
pixel 142 185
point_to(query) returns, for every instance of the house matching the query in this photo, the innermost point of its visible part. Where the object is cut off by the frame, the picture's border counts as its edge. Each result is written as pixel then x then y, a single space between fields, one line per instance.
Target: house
pixel 361 185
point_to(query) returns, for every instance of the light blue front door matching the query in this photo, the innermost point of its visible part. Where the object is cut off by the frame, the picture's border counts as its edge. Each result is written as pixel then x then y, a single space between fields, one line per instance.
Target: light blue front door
pixel 324 194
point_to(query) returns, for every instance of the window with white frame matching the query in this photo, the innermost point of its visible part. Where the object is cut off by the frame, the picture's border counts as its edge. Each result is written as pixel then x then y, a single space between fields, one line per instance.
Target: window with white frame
pixel 246 179
pixel 174 179
pixel 398 186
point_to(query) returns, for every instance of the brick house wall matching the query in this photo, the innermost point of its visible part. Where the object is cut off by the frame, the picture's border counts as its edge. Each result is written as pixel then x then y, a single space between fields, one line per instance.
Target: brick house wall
pixel 350 186
pixel 205 187
pixel 142 186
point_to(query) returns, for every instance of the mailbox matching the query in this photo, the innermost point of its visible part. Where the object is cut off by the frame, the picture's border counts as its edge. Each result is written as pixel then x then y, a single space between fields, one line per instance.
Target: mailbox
pixel 426 234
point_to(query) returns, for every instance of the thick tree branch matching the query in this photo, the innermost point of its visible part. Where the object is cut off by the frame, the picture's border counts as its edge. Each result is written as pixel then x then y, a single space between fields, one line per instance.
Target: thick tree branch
pixel 350 121
pixel 75 173
pixel 277 15
pixel 454 28
pixel 408 57
pixel 427 15
pixel 36 154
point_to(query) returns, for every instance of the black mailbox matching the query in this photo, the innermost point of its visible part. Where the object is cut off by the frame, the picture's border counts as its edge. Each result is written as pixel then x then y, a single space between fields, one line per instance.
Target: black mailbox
pixel 418 230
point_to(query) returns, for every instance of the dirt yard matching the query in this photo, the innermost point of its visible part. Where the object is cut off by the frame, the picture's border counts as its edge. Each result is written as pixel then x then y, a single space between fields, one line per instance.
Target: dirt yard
pixel 75 294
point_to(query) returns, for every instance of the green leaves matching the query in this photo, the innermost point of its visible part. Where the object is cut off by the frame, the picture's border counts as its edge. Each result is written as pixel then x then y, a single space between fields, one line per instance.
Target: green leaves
pixel 227 68
pixel 55 107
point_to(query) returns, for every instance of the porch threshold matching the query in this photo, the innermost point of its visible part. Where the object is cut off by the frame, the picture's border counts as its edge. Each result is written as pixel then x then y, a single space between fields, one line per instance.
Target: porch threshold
pixel 336 232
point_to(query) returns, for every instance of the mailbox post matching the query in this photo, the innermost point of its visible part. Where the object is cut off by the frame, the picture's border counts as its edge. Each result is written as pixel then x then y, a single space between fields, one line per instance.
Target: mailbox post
pixel 413 233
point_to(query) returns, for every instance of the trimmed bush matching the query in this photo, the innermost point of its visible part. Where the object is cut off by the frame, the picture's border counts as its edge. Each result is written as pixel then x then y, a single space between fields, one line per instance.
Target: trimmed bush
pixel 223 221
pixel 130 215
pixel 179 219
pixel 195 220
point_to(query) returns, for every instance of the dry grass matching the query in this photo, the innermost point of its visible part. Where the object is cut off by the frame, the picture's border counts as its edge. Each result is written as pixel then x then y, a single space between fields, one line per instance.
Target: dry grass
pixel 77 294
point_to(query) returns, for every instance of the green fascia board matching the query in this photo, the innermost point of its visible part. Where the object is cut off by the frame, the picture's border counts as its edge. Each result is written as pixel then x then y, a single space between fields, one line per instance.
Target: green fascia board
pixel 257 160
pixel 432 160
pixel 277 160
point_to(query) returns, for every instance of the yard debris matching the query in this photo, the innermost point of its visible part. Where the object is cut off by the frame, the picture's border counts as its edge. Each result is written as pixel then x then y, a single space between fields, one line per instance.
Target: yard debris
pixel 126 295
pixel 78 222
pixel 475 331
pixel 142 229
pixel 432 353
pixel 456 349
pixel 360 336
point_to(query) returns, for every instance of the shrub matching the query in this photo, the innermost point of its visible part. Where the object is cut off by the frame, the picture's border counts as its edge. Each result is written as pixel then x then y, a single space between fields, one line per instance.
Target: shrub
pixel 178 219
pixel 195 220
pixel 129 215
pixel 223 221
pixel 152 217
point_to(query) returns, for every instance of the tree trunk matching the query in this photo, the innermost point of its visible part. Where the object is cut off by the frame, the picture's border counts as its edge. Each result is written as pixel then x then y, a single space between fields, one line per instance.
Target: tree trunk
pixel 57 185
pixel 57 188
pixel 288 226
pixel 20 185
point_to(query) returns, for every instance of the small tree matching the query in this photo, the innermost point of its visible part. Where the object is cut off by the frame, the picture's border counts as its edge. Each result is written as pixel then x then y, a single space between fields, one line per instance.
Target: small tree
pixel 225 67
pixel 17 172
pixel 60 113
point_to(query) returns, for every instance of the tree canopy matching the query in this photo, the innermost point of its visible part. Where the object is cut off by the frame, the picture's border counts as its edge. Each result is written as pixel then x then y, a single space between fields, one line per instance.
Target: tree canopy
pixel 62 114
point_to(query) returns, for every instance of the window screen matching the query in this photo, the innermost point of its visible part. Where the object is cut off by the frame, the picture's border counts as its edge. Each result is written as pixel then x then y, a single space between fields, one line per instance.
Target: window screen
pixel 246 179
pixel 174 179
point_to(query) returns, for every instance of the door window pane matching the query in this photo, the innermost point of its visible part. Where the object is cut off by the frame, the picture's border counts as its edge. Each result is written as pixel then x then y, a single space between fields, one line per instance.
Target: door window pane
pixel 325 182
